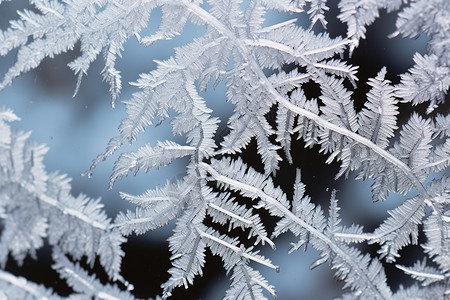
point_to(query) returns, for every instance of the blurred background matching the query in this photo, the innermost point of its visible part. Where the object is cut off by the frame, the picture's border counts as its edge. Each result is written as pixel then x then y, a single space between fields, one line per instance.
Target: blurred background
pixel 78 129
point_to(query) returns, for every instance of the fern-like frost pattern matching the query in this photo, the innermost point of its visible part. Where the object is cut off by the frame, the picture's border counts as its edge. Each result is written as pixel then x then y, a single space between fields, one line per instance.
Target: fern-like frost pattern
pixel 221 193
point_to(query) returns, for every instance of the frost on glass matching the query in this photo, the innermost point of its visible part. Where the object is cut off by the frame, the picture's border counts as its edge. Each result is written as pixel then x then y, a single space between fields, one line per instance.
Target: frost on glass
pixel 237 48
